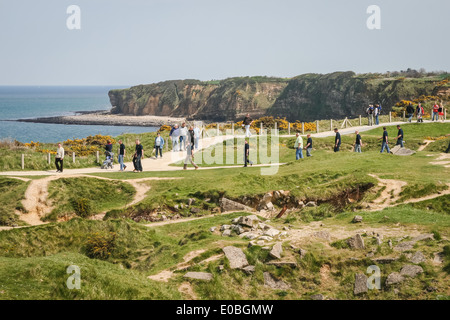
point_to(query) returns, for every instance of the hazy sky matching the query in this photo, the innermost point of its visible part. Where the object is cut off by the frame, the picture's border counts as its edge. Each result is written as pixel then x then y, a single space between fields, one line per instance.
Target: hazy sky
pixel 135 41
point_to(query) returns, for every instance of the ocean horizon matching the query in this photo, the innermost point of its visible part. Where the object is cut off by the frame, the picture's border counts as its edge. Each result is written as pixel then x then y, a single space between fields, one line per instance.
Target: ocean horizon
pixel 27 102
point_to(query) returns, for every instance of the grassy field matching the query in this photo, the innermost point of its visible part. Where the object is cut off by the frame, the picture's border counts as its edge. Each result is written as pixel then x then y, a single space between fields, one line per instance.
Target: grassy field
pixel 11 192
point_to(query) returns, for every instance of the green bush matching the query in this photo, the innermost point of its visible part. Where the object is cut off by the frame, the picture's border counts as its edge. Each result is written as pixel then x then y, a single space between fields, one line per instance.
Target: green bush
pixel 100 246
pixel 82 207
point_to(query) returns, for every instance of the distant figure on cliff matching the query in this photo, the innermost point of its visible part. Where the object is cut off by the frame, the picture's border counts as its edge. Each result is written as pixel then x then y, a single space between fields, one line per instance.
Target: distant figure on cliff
pixel 420 112
pixel 138 155
pixel 337 140
pixel 159 144
pixel 59 158
pixel 410 111
pixel 358 142
pixel 183 136
pixel 247 154
pixel 385 142
pixel 399 136
pixel 122 151
pixel 247 123
pixel 298 145
pixel 309 146
pixel 190 149
pixel 175 136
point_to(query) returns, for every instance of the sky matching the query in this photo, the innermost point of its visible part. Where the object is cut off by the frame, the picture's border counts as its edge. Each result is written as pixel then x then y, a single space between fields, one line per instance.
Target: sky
pixel 131 42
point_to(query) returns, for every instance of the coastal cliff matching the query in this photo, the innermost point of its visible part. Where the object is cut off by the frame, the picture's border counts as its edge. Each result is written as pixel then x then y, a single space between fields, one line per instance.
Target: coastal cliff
pixel 307 97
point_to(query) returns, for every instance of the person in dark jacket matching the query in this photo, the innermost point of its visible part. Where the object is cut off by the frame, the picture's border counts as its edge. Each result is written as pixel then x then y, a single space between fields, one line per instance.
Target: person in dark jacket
pixel 190 142
pixel 399 136
pixel 309 146
pixel 138 155
pixel 410 111
pixel 337 140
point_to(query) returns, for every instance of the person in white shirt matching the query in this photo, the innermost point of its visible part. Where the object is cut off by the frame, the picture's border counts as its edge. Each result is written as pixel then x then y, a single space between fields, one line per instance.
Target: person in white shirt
pixel 59 158
pixel 298 145
pixel 159 144
pixel 197 134
pixel 183 136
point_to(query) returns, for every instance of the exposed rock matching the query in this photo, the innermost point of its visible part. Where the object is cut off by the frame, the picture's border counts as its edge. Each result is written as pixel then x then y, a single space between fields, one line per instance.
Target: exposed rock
pixel 249 235
pixel 286 228
pixel 322 235
pixel 276 251
pixel 225 227
pixel 394 278
pixel 271 232
pixel 238 229
pixel 300 204
pixel 212 229
pixel 191 201
pixel 405 246
pixel 249 221
pixel 384 260
pixel 438 258
pixel 226 233
pixel 263 226
pixel 271 282
pixel 422 237
pixel 318 297
pixel 235 220
pixel 236 257
pixel 269 206
pixel 411 270
pixel 311 204
pixel 418 257
pixel 357 219
pixel 230 205
pixel 199 276
pixel 399 151
pixel 195 210
pixel 390 243
pixel 266 238
pixel 283 263
pixel 221 268
pixel 360 284
pixel 356 242
pixel 249 269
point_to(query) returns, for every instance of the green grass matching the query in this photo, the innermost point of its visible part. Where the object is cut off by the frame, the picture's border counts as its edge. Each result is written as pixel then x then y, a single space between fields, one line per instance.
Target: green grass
pixel 103 195
pixel 11 192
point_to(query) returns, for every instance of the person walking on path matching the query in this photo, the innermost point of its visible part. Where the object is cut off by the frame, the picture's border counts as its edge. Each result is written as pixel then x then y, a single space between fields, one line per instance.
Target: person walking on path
pixel 121 157
pixel 337 140
pixel 108 146
pixel 298 145
pixel 410 111
pixel 441 112
pixel 197 134
pixel 399 136
pixel 175 138
pixel 247 123
pixel 159 144
pixel 190 149
pixel 370 115
pixel 358 142
pixel 309 146
pixel 183 136
pixel 435 111
pixel 247 154
pixel 59 158
pixel 420 112
pixel 138 156
pixel 376 112
pixel 385 142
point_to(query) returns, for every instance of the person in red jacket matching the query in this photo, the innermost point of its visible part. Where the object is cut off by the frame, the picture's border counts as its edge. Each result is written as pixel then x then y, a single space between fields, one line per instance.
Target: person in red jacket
pixel 435 111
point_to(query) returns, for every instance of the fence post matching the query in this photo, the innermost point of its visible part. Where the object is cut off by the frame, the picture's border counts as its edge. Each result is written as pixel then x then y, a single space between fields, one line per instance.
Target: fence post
pixel 218 128
pixel 289 128
pixel 360 121
pixel 317 126
pixel 390 116
pixel 73 157
pixel 303 128
pixel 445 114
pixel 331 124
pixel 276 129
pixel 23 161
pixel 232 128
pixel 98 156
pixel 404 115
pixel 48 158
pixel 261 129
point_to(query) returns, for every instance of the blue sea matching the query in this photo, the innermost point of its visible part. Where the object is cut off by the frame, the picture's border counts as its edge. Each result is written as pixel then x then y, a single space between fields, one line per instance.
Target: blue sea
pixel 46 101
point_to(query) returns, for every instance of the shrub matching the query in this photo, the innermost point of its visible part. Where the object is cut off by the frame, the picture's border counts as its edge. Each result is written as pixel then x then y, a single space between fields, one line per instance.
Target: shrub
pixel 82 207
pixel 100 246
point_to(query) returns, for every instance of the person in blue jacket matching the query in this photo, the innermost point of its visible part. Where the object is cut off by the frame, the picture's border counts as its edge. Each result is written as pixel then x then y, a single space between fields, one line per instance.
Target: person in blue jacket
pixel 159 144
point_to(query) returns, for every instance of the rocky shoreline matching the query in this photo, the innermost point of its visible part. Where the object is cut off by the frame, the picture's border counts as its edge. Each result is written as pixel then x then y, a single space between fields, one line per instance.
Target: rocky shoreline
pixel 104 118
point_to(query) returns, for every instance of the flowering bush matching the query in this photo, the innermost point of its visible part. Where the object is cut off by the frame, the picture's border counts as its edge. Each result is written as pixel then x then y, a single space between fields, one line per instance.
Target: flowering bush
pixel 165 128
pixel 100 246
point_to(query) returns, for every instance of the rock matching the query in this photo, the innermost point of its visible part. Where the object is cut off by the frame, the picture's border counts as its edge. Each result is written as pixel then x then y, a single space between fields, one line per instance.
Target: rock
pixel 226 233
pixel 360 284
pixel 271 232
pixel 278 194
pixel 357 219
pixel 191 201
pixel 438 258
pixel 322 235
pixel 221 268
pixel 266 248
pixel 318 297
pixel 260 242
pixel 422 237
pixel 248 235
pixel 199 276
pixel 249 221
pixel 271 282
pixel 195 210
pixel 212 229
pixel 236 220
pixel 431 289
pixel 251 244
pixel 286 228
pixel 236 257
pixel 405 246
pixel 263 226
pixel 379 241
pixel 230 205
pixel 300 204
pixel 238 229
pixel 266 238
pixel 403 152
pixel 356 242
pixel 249 269
pixel 283 263
pixel 411 270
pixel 283 234
pixel 384 260
pixel 176 207
pixel 276 251
pixel 418 257
pixel 311 204
pixel 390 243
pixel 225 227
pixel 269 206
pixel 394 278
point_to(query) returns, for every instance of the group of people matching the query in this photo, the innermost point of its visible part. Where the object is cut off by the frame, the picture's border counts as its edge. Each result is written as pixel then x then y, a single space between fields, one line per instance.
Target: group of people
pixel 437 112
pixel 373 111
pixel 182 136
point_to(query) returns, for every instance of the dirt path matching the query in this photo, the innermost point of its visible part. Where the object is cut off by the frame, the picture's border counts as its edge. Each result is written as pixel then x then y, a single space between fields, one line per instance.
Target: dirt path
pixel 427 142
pixel 442 160
pixel 389 195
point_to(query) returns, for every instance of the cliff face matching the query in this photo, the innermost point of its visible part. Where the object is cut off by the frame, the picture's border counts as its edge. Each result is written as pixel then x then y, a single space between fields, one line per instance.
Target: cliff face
pixel 215 100
pixel 307 97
